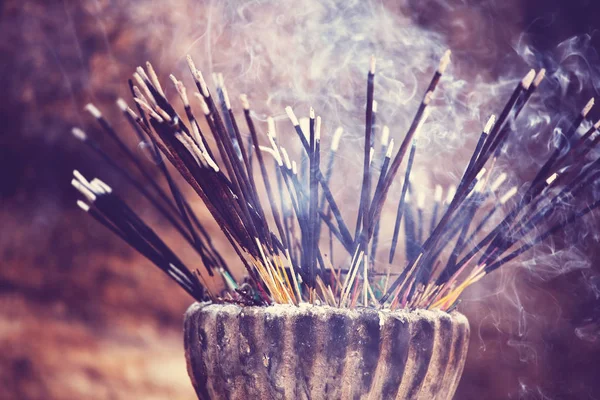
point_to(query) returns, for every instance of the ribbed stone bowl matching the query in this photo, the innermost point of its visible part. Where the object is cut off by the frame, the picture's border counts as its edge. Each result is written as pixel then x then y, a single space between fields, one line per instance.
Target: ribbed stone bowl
pixel 319 352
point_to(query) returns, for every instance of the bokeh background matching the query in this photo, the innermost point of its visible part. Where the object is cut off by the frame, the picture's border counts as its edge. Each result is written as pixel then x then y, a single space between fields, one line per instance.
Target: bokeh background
pixel 82 316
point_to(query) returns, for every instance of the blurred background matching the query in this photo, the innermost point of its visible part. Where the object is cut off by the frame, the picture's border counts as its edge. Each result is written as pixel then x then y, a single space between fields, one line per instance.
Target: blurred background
pixel 82 316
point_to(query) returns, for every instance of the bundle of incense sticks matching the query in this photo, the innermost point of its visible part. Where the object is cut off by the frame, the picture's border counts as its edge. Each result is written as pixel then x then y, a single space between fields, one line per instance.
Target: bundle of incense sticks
pixel 278 241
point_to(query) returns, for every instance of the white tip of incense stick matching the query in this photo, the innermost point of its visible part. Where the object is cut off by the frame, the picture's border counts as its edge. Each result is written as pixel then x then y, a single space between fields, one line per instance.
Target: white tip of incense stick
pixel 197 74
pixel 216 81
pixel 508 195
pixel 437 195
pixel 92 109
pixel 271 127
pixel 83 190
pixel 318 129
pixel 83 205
pixel 444 61
pixel 498 182
pixel 597 124
pixel 528 79
pixel 481 173
pixel 478 187
pixel 312 113
pixel 539 77
pixel 286 158
pixel 275 149
pixel 138 77
pixel 182 91
pixel 202 82
pixel 190 64
pixel 420 124
pixel 305 127
pixel 407 197
pixel 267 149
pixel 385 135
pixel 551 179
pixel 154 78
pixel 148 109
pixel 294 167
pixel 166 116
pixel 421 200
pixel 211 162
pixel 371 153
pixel 451 193
pixel 337 136
pixel 138 93
pixel 390 149
pixel 292 116
pixel 79 176
pixel 226 97
pixel 122 104
pixel 144 86
pixel 173 79
pixel 142 73
pixel 372 65
pixel 203 104
pixel 245 102
pixel 102 184
pixel 374 106
pixel 588 107
pixel 79 134
pixel 490 124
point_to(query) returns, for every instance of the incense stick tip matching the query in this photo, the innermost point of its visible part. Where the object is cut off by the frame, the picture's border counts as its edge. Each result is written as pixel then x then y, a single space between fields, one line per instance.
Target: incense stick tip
pixel 421 200
pixel 507 196
pixel 490 124
pixel 292 116
pixel 551 178
pixel 83 205
pixel 337 136
pixel 372 65
pixel 385 135
pixel 318 129
pixel 390 149
pixel 588 107
pixel 498 182
pixel 444 61
pixel 79 134
pixel 190 63
pixel 450 194
pixel 528 79
pixel 92 109
pixel 122 104
pixel 480 174
pixel 539 77
pixel 245 102
pixel 271 127
pixel 437 195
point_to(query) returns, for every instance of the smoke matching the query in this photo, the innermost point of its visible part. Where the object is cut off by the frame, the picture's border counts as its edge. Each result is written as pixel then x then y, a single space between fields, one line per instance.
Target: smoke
pixel 308 53
pixel 316 53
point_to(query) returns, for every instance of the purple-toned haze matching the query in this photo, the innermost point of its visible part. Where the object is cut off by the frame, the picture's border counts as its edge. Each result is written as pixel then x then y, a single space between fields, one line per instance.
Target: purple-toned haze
pixel 81 316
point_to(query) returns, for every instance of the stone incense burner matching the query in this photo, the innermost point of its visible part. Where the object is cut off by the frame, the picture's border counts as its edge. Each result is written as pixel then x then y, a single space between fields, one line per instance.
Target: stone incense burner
pixel 320 352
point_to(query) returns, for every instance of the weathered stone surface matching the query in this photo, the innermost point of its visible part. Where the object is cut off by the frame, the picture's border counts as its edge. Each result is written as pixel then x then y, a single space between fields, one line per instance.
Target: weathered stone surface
pixel 319 352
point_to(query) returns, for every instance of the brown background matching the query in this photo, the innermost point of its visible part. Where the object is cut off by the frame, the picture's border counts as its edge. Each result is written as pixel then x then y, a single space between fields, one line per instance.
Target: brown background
pixel 81 316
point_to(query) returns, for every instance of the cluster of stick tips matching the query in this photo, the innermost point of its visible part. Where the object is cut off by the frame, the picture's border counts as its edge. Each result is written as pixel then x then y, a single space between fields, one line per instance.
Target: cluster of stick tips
pixel 231 170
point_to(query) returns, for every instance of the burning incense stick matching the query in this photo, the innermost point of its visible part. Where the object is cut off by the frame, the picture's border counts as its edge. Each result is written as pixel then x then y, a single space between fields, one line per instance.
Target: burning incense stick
pixel 288 265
